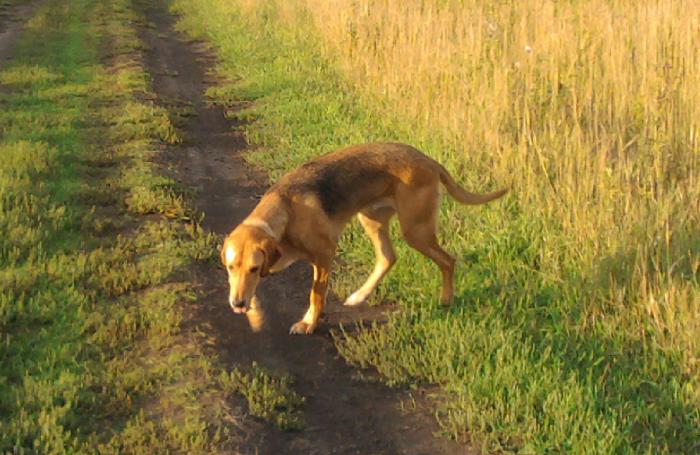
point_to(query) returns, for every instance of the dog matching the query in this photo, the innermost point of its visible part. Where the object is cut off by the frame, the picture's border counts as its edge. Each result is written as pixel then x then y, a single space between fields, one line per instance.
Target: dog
pixel 302 216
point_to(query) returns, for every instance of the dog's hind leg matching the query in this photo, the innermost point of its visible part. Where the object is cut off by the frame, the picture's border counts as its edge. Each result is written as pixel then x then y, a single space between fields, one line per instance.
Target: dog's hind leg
pixel 376 225
pixel 418 212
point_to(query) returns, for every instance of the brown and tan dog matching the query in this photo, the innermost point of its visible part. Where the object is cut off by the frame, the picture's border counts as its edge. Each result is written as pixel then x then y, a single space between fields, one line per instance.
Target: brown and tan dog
pixel 303 215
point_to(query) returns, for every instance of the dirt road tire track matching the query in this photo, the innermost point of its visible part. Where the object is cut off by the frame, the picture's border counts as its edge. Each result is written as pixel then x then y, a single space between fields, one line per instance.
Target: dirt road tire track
pixel 343 415
pixel 12 22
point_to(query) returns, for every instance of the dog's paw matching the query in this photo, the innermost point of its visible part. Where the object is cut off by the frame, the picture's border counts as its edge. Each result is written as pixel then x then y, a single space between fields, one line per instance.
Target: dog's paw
pixel 302 328
pixel 356 298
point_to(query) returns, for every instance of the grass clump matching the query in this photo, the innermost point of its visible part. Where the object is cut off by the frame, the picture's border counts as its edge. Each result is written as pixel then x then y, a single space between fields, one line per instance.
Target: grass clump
pixel 269 397
pixel 575 326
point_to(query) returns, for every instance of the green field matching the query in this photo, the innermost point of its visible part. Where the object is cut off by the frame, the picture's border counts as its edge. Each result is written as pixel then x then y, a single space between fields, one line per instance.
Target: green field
pixel 94 357
pixel 575 327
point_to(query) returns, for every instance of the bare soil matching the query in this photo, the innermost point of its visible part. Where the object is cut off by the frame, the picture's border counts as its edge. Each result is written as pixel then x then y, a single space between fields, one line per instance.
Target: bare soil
pixel 12 21
pixel 344 414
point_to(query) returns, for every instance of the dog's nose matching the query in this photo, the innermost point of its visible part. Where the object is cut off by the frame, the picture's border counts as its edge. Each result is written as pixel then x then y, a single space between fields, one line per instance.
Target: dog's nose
pixel 239 306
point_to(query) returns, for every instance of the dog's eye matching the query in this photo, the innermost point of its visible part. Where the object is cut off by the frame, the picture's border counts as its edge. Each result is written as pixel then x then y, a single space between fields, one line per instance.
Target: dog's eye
pixel 254 269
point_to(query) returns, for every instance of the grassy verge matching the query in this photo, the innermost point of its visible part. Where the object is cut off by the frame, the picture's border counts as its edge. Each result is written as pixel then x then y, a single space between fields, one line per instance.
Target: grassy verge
pixel 572 332
pixel 95 355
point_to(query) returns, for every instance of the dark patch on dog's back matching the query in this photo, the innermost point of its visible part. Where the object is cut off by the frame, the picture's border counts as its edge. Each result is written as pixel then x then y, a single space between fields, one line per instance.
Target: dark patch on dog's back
pixel 350 182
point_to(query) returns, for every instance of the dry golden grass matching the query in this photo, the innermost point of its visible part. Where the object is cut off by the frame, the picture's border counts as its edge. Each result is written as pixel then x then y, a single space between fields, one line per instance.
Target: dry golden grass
pixel 590 110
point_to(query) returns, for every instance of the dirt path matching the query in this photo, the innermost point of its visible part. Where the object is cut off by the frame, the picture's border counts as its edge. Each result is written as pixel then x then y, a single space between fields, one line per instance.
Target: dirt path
pixel 343 415
pixel 12 21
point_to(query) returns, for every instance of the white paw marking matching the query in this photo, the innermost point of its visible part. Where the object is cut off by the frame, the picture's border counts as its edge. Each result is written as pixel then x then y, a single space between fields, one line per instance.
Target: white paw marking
pixel 356 298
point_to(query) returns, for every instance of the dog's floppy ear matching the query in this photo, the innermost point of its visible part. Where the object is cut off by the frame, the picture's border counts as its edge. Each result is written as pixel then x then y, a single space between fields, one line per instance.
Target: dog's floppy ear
pixel 272 255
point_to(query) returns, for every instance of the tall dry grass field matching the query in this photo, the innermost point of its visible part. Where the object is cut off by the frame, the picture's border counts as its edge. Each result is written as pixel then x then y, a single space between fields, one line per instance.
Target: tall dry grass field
pixel 589 109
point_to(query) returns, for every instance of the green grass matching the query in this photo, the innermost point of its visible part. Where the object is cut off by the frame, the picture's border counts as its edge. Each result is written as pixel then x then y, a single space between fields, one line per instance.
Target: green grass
pixel 546 349
pixel 94 355
pixel 269 397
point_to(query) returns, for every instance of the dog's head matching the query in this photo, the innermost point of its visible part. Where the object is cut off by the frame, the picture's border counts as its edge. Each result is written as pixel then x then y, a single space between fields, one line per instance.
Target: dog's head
pixel 248 253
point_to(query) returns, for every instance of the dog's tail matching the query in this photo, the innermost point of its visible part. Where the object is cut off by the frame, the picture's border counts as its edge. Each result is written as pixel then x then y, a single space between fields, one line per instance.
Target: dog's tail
pixel 464 196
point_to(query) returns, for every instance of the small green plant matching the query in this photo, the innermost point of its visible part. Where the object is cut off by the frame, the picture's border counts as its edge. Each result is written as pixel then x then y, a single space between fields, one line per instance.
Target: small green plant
pixel 269 397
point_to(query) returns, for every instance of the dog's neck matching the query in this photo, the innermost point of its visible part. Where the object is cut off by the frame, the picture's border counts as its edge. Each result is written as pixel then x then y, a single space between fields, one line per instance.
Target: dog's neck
pixel 270 217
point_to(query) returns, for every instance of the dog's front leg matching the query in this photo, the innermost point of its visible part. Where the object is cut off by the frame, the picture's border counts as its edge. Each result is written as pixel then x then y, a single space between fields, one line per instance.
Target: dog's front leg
pixel 322 273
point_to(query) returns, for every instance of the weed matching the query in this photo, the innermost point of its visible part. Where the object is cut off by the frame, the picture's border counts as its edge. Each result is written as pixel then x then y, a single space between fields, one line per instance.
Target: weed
pixel 269 397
